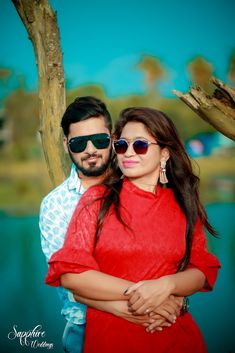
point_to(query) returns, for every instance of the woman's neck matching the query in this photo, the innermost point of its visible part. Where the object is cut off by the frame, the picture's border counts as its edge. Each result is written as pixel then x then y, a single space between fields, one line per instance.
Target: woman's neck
pixel 145 184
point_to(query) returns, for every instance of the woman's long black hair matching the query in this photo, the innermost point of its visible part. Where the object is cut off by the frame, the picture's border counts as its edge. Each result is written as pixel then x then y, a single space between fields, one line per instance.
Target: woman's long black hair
pixel 181 178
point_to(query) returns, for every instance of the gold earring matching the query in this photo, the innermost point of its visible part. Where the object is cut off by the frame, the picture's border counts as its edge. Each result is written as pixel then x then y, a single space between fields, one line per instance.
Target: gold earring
pixel 163 177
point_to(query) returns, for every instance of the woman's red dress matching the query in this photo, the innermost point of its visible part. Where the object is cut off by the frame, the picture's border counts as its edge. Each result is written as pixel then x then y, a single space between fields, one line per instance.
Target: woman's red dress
pixel 151 247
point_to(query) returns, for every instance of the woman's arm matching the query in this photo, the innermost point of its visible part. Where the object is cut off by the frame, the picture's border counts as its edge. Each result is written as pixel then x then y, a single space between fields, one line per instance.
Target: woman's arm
pixel 74 265
pixel 146 296
pixel 200 275
pixel 186 282
pixel 96 285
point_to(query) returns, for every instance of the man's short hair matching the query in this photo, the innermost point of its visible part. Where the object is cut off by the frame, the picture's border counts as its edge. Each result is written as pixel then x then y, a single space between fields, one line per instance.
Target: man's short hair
pixel 84 108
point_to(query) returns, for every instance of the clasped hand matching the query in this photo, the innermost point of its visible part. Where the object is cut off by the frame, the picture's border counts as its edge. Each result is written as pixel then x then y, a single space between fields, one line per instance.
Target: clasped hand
pixel 153 297
pixel 145 296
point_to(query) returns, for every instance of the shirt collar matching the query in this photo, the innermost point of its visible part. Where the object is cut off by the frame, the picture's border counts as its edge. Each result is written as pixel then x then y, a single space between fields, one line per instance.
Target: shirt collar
pixel 74 183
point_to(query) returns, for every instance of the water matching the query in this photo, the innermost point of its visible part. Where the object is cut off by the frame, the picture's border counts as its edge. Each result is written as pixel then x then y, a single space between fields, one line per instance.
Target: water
pixel 27 302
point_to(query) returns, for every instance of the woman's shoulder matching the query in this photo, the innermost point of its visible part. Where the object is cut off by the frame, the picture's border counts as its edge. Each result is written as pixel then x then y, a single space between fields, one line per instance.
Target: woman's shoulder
pixel 91 199
pixel 94 192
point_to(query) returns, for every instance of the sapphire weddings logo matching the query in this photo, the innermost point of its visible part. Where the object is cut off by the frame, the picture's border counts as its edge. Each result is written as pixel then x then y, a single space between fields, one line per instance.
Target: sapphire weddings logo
pixel 34 338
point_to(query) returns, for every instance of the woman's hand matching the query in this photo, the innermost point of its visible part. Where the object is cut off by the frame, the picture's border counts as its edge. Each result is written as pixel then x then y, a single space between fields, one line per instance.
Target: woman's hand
pixel 146 296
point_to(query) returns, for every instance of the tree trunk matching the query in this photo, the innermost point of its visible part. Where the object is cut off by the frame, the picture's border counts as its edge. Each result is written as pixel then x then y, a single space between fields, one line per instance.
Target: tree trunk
pixel 41 24
pixel 217 109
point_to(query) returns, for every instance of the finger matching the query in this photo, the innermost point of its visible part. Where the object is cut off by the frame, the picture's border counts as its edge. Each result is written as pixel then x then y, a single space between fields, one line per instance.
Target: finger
pixel 173 305
pixel 176 300
pixel 157 325
pixel 136 306
pixel 177 312
pixel 143 322
pixel 166 311
pixel 154 316
pixel 171 308
pixel 132 288
pixel 156 329
pixel 134 298
pixel 140 308
pixel 166 316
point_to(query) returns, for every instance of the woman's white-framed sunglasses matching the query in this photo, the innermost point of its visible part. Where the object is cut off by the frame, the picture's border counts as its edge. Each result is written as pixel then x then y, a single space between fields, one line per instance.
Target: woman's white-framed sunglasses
pixel 140 146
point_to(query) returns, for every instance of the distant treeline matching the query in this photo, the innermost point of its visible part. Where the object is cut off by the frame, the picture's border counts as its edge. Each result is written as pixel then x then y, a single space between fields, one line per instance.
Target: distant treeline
pixel 19 120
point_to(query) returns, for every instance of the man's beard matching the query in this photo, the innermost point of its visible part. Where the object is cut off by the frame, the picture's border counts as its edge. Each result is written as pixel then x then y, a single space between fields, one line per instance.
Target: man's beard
pixel 92 171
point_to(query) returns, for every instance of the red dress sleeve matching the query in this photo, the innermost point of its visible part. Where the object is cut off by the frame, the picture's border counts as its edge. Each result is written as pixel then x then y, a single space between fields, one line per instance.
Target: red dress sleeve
pixel 202 259
pixel 76 255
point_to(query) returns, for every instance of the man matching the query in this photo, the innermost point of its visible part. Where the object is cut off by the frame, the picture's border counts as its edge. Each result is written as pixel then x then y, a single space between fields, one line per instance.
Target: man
pixel 87 129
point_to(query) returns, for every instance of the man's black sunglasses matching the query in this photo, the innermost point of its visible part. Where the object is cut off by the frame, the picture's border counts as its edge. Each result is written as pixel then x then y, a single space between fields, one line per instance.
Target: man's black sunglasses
pixel 78 144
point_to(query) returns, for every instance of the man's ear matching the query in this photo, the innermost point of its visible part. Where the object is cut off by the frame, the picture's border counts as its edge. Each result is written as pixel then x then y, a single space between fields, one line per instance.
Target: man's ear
pixel 65 143
pixel 165 154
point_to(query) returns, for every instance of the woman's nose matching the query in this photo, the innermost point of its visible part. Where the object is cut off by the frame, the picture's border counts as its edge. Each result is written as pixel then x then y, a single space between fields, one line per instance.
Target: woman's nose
pixel 130 150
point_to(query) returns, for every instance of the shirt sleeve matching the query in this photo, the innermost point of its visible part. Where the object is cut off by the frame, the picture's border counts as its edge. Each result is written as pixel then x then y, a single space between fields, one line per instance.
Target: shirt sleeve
pixel 202 259
pixel 53 225
pixel 76 255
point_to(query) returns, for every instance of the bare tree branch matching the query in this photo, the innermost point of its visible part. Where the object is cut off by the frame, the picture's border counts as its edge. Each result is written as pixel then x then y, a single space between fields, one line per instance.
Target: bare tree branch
pixel 217 109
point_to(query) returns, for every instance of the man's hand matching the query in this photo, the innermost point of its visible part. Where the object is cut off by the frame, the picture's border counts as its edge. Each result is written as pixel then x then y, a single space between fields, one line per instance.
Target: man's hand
pixel 117 308
pixel 165 314
pixel 120 309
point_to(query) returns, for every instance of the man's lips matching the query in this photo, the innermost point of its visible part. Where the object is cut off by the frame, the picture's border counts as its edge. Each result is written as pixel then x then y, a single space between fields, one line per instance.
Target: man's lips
pixel 92 159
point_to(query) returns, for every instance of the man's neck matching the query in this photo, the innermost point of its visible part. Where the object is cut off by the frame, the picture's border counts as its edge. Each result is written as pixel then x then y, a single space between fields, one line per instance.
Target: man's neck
pixel 91 180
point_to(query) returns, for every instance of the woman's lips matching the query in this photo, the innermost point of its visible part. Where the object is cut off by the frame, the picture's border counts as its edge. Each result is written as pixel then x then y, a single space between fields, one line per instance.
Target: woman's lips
pixel 129 164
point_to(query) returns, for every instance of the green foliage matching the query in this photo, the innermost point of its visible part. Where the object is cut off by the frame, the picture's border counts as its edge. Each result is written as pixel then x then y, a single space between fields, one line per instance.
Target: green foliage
pixel 22 121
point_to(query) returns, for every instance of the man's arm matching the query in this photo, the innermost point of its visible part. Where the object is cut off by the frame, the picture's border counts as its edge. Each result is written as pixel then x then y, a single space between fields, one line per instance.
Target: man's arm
pixel 53 226
pixel 117 308
pixel 164 317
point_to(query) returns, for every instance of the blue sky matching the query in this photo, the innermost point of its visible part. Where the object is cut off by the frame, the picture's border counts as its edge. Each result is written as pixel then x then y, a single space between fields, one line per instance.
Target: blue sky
pixel 103 41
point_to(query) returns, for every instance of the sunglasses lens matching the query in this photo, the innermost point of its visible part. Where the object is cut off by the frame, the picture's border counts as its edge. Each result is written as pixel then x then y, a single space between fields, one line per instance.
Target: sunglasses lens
pixel 100 141
pixel 77 144
pixel 140 147
pixel 120 146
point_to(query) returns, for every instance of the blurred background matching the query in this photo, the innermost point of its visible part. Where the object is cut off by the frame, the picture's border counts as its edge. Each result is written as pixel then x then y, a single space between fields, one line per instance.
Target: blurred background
pixel 127 54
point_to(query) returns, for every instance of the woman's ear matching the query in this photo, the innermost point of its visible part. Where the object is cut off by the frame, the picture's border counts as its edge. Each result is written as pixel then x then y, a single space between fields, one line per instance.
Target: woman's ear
pixel 165 154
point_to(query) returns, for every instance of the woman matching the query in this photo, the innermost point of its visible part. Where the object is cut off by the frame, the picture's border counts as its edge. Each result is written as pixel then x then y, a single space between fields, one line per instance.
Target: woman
pixel 134 240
